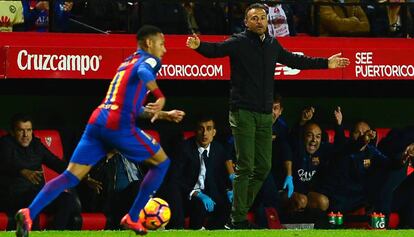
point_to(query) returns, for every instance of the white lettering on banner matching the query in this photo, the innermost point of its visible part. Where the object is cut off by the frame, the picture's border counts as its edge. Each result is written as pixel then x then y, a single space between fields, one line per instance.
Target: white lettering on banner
pixel 171 70
pixel 285 70
pixel 47 62
pixel 366 69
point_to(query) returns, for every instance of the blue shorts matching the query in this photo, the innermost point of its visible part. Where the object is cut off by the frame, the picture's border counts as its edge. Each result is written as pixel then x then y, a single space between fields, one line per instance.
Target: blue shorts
pixel 96 141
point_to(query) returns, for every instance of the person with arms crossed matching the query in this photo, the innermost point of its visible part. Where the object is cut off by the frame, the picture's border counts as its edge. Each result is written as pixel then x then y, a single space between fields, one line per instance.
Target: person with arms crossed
pixel 112 126
pixel 253 57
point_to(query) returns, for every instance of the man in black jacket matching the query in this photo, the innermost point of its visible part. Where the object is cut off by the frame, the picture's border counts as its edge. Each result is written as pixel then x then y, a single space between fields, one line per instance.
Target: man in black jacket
pixel 253 57
pixel 21 174
pixel 203 178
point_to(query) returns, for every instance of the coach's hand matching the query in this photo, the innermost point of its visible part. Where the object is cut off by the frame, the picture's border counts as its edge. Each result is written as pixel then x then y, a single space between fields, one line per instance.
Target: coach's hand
pixel 336 61
pixel 193 41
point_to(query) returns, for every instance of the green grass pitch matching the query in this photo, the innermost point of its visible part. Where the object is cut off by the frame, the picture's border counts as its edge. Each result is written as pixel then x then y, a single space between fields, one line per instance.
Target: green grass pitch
pixel 224 233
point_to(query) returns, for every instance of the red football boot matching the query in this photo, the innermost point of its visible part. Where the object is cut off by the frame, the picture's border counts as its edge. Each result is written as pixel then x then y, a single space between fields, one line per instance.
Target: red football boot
pixel 137 227
pixel 23 222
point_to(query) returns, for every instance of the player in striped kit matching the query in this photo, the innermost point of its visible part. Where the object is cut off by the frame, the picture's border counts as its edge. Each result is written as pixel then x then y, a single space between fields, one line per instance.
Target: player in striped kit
pixel 112 126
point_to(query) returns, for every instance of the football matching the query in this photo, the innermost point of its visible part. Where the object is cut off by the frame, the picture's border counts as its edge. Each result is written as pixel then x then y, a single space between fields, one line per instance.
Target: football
pixel 155 214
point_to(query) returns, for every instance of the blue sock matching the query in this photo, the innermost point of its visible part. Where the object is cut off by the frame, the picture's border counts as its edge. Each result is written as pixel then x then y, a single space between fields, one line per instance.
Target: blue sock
pixel 51 190
pixel 152 181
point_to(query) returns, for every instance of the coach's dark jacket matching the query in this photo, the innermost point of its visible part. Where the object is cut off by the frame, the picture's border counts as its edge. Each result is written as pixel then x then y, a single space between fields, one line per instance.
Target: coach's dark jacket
pixel 253 65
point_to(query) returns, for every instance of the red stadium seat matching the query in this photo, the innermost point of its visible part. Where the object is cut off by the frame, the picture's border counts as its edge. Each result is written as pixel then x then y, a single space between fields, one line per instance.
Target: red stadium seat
pixel 188 134
pixel 154 134
pixel 3 132
pixel 89 221
pixel 4 221
pixel 381 133
pixel 93 221
pixel 394 220
pixel 331 134
pixel 51 139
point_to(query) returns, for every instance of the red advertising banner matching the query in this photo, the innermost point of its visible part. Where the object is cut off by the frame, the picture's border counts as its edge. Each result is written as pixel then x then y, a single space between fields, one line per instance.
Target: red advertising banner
pixel 93 56
pixel 59 63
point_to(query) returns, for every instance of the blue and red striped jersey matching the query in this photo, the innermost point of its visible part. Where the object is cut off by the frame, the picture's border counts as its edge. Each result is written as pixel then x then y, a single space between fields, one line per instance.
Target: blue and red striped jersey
pixel 127 92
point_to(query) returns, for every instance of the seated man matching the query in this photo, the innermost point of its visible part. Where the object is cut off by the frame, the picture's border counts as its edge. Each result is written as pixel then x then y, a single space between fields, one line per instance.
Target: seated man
pixel 307 163
pixel 396 192
pixel 203 178
pixel 352 175
pixel 22 157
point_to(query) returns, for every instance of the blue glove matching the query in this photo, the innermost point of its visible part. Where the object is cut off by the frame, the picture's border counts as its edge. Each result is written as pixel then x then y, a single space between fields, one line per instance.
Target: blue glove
pixel 289 184
pixel 231 177
pixel 207 201
pixel 230 196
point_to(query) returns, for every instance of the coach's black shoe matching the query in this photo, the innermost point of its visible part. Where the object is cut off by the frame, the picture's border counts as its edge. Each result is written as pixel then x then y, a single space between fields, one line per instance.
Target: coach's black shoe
pixel 23 222
pixel 242 225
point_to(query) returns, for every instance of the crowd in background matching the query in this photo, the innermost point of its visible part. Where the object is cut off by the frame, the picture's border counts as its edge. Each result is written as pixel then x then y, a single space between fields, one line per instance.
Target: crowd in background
pixel 376 18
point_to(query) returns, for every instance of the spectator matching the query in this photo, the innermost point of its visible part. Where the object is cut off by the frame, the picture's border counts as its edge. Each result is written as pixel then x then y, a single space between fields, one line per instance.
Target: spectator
pixel 377 16
pixel 191 21
pixel 399 19
pixel 37 18
pixel 280 22
pixel 11 14
pixel 210 17
pixel 169 16
pixel 301 16
pixel 342 20
pixel 23 156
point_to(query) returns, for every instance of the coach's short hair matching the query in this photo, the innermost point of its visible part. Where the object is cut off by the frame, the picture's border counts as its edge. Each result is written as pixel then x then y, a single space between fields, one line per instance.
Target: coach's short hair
pixel 254 6
pixel 146 31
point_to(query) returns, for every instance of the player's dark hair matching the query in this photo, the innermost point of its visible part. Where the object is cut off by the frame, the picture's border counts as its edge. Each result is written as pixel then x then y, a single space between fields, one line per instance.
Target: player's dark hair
pixel 146 31
pixel 254 6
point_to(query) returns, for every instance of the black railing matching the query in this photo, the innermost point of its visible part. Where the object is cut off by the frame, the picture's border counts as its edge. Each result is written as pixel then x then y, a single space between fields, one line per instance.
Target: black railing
pixel 126 16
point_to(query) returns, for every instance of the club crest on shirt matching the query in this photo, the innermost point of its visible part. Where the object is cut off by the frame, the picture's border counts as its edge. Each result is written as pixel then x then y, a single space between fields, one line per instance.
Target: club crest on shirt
pixel 48 141
pixel 316 161
pixel 151 61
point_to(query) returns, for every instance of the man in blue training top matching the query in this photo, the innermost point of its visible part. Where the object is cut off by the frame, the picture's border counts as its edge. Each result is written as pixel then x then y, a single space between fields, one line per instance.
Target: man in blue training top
pixel 112 126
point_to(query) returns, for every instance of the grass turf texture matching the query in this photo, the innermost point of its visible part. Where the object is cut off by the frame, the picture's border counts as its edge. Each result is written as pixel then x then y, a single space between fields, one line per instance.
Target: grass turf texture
pixel 224 233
